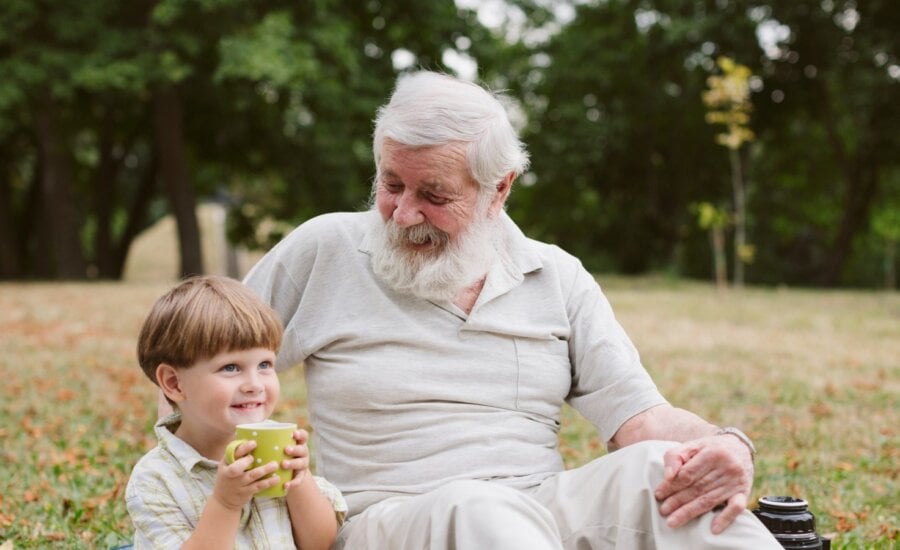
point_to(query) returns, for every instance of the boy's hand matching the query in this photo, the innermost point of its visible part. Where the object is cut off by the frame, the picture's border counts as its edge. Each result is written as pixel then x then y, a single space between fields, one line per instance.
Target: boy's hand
pixel 299 461
pixel 235 485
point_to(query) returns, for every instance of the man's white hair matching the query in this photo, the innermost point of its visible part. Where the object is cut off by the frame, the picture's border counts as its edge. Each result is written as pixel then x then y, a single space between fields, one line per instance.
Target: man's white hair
pixel 428 109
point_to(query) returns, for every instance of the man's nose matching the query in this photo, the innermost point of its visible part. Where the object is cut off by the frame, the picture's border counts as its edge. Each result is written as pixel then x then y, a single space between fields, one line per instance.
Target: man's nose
pixel 407 212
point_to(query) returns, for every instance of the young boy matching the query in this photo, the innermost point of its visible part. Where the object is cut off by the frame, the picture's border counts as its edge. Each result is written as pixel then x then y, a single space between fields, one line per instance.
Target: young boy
pixel 210 344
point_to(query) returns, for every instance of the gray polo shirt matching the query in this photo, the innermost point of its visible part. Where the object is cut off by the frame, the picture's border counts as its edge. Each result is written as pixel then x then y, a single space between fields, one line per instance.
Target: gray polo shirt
pixel 406 394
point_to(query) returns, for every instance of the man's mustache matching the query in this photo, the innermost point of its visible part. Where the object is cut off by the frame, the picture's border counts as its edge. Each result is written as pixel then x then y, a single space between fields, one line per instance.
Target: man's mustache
pixel 417 234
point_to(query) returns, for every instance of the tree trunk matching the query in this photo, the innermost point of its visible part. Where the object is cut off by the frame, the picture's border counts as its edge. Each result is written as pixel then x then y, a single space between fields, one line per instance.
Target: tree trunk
pixel 859 192
pixel 740 216
pixel 860 175
pixel 9 258
pixel 137 216
pixel 58 198
pixel 890 270
pixel 170 148
pixel 104 201
pixel 717 236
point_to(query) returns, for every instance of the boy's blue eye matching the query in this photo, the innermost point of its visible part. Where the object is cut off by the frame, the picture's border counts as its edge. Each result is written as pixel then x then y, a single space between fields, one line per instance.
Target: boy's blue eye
pixel 265 365
pixel 231 367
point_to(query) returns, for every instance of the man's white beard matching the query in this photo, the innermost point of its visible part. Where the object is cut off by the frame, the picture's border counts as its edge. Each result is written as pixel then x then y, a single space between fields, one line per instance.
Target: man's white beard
pixel 443 271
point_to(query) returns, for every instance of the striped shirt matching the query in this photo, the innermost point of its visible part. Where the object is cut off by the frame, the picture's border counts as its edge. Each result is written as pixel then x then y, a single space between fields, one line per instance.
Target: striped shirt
pixel 169 487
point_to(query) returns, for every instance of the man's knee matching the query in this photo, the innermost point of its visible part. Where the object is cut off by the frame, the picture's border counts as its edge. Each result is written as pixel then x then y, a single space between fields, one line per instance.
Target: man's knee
pixel 651 450
pixel 640 461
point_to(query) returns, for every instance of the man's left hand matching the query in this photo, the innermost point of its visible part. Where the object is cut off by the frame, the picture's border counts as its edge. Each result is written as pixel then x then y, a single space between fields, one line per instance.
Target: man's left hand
pixel 703 474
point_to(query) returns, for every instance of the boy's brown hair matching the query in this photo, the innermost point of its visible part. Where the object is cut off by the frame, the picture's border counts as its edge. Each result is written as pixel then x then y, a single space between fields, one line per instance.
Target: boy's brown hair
pixel 202 317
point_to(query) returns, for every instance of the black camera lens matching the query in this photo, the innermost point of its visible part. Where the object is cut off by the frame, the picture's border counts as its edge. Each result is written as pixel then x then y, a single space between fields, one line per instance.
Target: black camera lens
pixel 791 522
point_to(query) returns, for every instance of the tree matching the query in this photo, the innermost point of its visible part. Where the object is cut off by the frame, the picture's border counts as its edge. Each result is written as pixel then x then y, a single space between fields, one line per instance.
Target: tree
pixel 728 101
pixel 145 112
pixel 828 121
pixel 616 130
pixel 715 219
pixel 886 224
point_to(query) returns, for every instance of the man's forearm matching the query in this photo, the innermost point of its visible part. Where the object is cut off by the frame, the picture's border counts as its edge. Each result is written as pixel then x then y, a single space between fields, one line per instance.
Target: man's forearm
pixel 663 422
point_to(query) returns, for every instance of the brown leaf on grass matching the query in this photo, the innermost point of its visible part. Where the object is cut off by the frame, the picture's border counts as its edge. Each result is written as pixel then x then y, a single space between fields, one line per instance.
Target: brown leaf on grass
pixel 820 410
pixel 791 460
pixel 866 385
pixel 55 536
pixel 846 466
pixel 844 524
pixel 64 395
pixel 8 545
pixel 5 521
pixel 31 496
pixel 887 530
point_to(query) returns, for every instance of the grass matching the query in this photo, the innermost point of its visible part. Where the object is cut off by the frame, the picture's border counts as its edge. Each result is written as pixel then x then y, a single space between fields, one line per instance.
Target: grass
pixel 812 376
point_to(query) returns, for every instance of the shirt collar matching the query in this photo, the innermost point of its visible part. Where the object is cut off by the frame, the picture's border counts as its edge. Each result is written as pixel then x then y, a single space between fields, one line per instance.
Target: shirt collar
pixel 186 455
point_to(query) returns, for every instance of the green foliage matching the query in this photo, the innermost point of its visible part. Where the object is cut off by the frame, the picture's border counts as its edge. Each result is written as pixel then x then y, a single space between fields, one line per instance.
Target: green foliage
pixel 728 101
pixel 267 52
pixel 710 216
pixel 886 224
pixel 614 118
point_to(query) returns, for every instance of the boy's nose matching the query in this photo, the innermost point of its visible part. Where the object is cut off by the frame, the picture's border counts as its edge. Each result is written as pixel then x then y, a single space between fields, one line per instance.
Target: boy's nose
pixel 252 383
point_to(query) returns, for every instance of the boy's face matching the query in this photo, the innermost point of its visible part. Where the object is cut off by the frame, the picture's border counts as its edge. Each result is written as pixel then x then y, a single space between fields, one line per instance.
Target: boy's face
pixel 217 394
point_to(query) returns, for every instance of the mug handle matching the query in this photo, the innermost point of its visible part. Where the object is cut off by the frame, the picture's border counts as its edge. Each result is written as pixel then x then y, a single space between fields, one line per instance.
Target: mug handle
pixel 231 448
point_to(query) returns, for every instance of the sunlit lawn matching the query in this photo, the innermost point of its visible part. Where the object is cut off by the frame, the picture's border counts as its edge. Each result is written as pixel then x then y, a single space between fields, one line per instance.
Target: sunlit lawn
pixel 813 377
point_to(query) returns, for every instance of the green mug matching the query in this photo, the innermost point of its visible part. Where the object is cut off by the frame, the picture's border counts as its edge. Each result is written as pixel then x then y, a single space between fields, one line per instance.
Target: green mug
pixel 271 439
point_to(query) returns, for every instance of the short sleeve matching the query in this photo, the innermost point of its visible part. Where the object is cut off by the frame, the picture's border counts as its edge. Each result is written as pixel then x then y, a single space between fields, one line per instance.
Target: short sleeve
pixel 610 384
pixel 334 496
pixel 159 522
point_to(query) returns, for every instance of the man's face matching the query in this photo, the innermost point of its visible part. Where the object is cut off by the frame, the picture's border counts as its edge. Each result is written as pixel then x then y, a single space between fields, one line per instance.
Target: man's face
pixel 440 234
pixel 429 186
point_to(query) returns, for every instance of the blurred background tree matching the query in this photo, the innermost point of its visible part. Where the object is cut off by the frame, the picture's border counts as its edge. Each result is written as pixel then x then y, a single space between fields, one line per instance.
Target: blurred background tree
pixel 115 114
pixel 715 219
pixel 728 101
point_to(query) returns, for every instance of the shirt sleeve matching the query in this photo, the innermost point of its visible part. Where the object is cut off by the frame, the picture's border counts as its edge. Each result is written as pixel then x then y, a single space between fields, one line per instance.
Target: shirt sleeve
pixel 335 497
pixel 274 279
pixel 609 385
pixel 159 522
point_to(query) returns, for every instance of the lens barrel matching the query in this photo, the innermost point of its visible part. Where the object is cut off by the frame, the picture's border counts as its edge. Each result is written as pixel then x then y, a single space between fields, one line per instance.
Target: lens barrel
pixel 791 522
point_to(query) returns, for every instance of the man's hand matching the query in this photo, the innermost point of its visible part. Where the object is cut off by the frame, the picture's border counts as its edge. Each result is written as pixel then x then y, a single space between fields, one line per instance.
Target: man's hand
pixel 703 474
pixel 299 461
pixel 235 485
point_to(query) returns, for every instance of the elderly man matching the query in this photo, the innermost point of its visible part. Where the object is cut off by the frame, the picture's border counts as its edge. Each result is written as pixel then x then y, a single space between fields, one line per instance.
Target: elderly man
pixel 440 343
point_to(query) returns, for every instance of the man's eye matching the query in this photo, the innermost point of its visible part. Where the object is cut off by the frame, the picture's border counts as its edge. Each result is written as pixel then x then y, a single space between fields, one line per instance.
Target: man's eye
pixel 434 199
pixel 393 187
pixel 231 367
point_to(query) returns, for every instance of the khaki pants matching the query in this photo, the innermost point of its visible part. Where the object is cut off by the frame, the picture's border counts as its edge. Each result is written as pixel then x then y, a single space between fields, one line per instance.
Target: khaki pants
pixel 607 503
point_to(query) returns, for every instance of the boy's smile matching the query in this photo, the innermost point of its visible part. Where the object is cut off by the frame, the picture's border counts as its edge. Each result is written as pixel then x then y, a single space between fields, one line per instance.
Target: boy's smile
pixel 215 395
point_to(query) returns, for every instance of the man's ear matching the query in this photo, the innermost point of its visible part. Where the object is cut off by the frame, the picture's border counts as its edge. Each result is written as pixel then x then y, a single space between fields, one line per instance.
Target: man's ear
pixel 503 189
pixel 169 382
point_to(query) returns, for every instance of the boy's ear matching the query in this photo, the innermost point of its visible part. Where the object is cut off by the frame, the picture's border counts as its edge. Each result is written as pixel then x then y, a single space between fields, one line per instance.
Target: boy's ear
pixel 169 382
